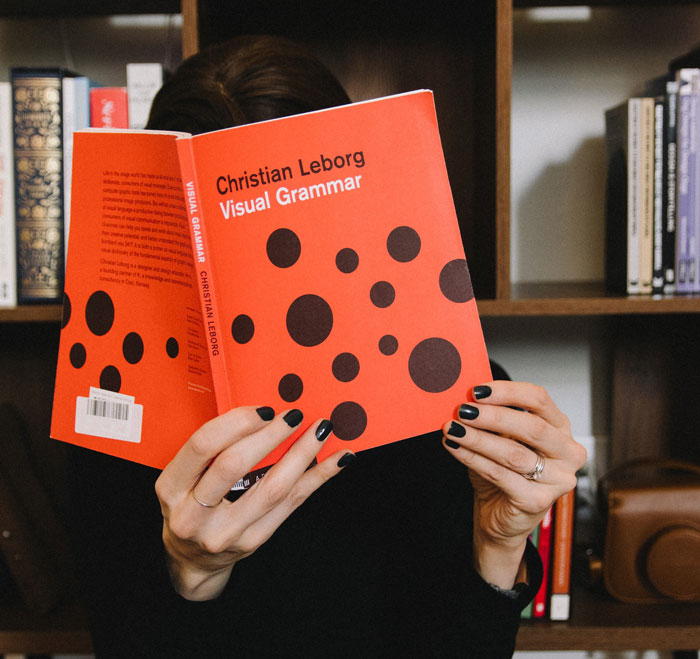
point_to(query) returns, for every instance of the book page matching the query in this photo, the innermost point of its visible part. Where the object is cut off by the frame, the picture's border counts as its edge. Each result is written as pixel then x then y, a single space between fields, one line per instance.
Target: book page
pixel 133 375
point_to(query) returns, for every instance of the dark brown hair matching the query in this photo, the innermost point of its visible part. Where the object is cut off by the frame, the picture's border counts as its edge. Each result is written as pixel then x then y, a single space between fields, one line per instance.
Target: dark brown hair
pixel 244 80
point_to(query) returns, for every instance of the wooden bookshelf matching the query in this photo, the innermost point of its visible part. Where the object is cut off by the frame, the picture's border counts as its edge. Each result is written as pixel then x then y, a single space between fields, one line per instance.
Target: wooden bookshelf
pixel 467 57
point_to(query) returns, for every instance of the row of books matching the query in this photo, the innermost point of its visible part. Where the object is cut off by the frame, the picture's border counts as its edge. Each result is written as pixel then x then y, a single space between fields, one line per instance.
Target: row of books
pixel 40 109
pixel 653 188
pixel 553 538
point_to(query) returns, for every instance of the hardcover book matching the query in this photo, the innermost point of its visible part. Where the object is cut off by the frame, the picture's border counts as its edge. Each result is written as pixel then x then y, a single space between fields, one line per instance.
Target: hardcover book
pixel 8 262
pixel 312 261
pixel 38 156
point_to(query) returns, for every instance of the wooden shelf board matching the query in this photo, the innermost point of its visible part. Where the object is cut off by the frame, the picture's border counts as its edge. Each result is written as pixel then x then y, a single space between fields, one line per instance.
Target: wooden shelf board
pixel 61 631
pixel 600 623
pixel 583 299
pixel 38 313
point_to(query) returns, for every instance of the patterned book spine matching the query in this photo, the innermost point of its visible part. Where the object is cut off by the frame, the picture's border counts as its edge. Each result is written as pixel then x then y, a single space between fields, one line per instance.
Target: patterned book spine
pixel 38 183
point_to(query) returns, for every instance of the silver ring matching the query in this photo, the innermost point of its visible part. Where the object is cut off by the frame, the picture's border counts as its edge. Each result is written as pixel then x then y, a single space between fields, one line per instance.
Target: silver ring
pixel 537 470
pixel 201 503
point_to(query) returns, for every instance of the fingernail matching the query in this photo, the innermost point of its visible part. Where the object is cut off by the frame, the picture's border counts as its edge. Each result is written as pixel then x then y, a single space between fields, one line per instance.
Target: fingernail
pixel 293 418
pixel 266 413
pixel 457 430
pixel 468 412
pixel 323 430
pixel 346 459
pixel 451 443
pixel 482 391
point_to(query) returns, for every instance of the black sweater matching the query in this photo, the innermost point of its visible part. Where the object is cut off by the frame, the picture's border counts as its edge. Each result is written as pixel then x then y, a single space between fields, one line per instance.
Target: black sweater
pixel 377 563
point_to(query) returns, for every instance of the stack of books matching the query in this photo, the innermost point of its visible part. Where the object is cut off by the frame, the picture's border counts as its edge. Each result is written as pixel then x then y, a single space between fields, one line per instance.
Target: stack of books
pixel 40 108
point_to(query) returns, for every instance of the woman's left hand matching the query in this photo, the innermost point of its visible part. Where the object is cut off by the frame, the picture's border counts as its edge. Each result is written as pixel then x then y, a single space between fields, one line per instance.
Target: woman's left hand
pixel 520 462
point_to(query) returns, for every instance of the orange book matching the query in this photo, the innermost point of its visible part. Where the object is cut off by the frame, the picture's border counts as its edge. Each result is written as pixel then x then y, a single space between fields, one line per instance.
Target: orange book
pixel 562 543
pixel 312 261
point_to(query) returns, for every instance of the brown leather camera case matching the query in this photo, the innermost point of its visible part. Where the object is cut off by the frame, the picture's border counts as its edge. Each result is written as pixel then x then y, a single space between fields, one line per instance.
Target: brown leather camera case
pixel 652 541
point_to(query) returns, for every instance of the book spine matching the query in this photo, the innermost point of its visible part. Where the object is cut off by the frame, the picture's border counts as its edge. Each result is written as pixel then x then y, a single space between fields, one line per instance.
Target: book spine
pixel 8 262
pixel 670 187
pixel 693 184
pixel 560 600
pixel 205 275
pixel 38 153
pixel 682 207
pixel 657 283
pixel 526 613
pixel 633 197
pixel 646 196
pixel 540 602
pixel 142 83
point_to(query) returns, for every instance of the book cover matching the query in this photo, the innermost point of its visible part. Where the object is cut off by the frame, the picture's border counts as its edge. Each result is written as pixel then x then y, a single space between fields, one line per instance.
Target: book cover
pixel 313 261
pixel 38 157
pixel 562 546
pixel 143 80
pixel 622 207
pixel 8 262
pixel 539 609
pixel 109 107
pixel 669 177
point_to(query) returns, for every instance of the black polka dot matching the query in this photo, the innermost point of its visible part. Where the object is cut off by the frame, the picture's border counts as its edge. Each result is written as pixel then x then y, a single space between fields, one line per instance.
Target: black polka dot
pixel 455 283
pixel 349 420
pixel 403 244
pixel 434 365
pixel 242 328
pixel 110 379
pixel 78 355
pixel 283 248
pixel 347 260
pixel 388 344
pixel 99 313
pixel 309 320
pixel 132 348
pixel 345 367
pixel 290 387
pixel 172 347
pixel 382 294
pixel 65 315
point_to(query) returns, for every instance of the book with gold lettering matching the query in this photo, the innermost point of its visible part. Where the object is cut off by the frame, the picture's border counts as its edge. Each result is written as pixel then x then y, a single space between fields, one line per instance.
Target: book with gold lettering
pixel 38 161
pixel 313 261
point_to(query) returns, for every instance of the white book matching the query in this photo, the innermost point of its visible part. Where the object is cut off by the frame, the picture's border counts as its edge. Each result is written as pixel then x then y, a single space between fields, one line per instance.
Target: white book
pixel 142 83
pixel 8 260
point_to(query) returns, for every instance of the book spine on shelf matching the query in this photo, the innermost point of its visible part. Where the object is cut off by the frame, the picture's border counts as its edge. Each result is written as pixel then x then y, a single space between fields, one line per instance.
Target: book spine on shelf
pixel 657 283
pixel 8 262
pixel 142 83
pixel 694 188
pixel 670 169
pixel 544 547
pixel 526 613
pixel 560 600
pixel 109 107
pixel 205 275
pixel 683 203
pixel 38 155
pixel 646 195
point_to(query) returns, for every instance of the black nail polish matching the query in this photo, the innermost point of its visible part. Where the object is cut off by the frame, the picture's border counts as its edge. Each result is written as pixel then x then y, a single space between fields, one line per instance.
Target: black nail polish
pixel 266 413
pixel 451 443
pixel 323 430
pixel 468 412
pixel 482 391
pixel 457 430
pixel 293 418
pixel 346 459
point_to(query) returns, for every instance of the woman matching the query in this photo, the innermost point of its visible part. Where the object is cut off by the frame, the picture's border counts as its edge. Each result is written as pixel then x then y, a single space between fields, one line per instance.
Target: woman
pixel 417 548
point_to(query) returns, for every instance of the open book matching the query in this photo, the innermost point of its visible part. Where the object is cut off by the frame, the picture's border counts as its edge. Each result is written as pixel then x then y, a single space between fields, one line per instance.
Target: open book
pixel 313 261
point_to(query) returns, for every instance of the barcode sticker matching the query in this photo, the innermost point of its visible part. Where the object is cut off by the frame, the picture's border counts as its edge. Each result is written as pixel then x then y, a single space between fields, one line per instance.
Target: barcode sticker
pixel 108 415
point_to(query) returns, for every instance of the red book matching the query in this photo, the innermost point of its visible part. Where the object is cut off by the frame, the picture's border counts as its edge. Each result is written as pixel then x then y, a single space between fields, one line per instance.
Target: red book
pixel 544 547
pixel 109 107
pixel 313 261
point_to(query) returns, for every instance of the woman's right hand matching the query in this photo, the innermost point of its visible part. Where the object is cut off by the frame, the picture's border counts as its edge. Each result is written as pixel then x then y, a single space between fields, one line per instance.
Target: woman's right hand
pixel 204 534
